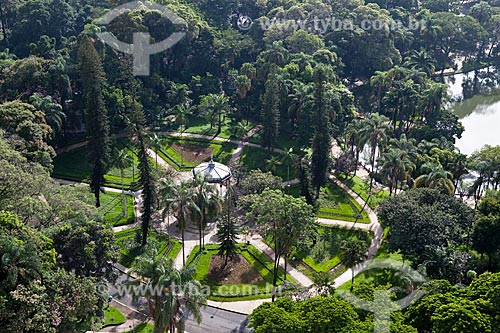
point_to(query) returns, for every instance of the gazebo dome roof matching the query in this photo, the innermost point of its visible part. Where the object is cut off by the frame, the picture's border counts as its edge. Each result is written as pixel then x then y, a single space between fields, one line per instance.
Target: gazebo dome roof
pixel 213 172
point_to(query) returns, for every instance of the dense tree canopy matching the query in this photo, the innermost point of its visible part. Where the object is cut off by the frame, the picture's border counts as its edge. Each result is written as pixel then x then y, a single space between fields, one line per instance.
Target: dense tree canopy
pixel 423 218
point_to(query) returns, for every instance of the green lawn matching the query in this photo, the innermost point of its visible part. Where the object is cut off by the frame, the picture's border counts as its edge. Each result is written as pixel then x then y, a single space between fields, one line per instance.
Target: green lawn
pixel 324 254
pixel 361 188
pixel 199 125
pixel 74 166
pixel 222 151
pixel 335 203
pixel 111 208
pixel 380 277
pixel 284 140
pixel 236 292
pixel 142 328
pixel 256 158
pixel 131 249
pixel 112 316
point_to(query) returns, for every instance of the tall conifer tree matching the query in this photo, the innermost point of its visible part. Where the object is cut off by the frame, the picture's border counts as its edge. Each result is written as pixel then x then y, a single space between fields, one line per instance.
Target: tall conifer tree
pixel 321 139
pixel 96 115
pixel 137 127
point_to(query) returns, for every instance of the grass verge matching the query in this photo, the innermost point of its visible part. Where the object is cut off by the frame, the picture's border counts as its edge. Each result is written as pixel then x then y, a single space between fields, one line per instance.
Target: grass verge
pixel 236 292
pixel 111 208
pixel 361 188
pixel 222 151
pixel 112 316
pixel 335 203
pixel 142 328
pixel 130 248
pixel 74 166
pixel 257 158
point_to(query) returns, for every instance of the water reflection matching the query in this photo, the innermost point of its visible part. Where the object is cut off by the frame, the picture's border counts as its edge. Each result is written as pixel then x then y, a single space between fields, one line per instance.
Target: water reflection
pixel 475 98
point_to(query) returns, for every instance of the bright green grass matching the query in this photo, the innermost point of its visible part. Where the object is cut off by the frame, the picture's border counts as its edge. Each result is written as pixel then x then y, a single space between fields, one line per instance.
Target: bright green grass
pixel 325 254
pixel 142 328
pixel 111 208
pixel 131 249
pixel 112 316
pixel 222 151
pixel 380 277
pixel 284 140
pixel 361 188
pixel 256 158
pixel 236 292
pixel 199 125
pixel 335 203
pixel 74 166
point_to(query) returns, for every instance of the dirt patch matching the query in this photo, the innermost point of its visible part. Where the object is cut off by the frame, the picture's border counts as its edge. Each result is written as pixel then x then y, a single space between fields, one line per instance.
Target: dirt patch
pixel 237 271
pixel 193 153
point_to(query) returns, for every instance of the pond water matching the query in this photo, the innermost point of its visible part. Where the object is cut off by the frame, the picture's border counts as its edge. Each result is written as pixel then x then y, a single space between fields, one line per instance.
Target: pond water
pixel 476 101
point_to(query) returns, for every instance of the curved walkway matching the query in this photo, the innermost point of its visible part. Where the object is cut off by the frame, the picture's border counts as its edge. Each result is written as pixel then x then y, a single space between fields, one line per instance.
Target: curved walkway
pixel 248 306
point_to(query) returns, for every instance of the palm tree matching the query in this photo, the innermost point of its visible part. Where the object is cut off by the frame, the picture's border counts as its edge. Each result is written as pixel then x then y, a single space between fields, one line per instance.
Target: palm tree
pixel 298 98
pixel 181 119
pixel 122 160
pixel 421 60
pixel 170 293
pixel 243 84
pixel 272 163
pixel 53 112
pixel 181 113
pixel 432 98
pixel 155 142
pixel 374 132
pixel 276 54
pixel 396 165
pixel 355 139
pixel 208 201
pixel 166 194
pixel 407 146
pixel 430 32
pixel 381 80
pixel 289 158
pixel 404 39
pixel 215 105
pixel 241 129
pixel 391 167
pixel 436 177
pixel 353 254
pixel 183 205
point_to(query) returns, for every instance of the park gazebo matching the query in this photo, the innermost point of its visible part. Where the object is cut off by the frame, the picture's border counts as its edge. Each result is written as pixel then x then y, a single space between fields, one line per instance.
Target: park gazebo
pixel 213 172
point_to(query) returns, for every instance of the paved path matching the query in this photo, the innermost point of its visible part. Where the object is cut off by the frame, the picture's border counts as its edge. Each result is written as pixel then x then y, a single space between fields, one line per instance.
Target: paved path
pixel 374 226
pixel 191 238
pixel 132 318
pixel 301 279
pixel 243 142
pixel 71 182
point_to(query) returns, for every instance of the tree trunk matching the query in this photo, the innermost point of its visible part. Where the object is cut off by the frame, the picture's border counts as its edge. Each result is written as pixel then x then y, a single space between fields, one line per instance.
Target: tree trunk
pixel 199 230
pixel 97 197
pixel 275 269
pixel 373 167
pixel 286 263
pixel 4 28
pixel 219 124
pixel 124 212
pixel 183 250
